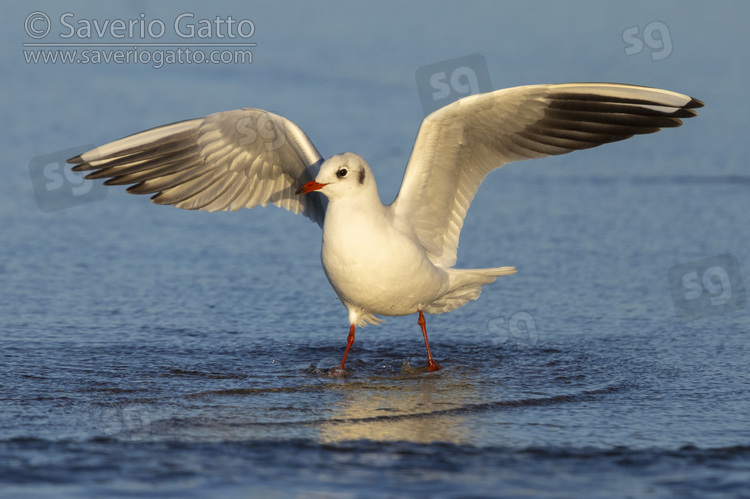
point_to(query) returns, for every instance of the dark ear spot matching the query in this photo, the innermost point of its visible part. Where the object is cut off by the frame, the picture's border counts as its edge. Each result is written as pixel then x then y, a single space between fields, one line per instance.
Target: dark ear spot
pixel 362 176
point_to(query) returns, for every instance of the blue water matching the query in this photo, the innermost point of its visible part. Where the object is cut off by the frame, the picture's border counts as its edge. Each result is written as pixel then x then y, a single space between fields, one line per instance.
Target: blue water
pixel 149 351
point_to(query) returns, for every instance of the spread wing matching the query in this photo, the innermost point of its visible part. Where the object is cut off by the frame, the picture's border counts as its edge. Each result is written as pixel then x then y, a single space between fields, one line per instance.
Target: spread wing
pixel 225 161
pixel 458 145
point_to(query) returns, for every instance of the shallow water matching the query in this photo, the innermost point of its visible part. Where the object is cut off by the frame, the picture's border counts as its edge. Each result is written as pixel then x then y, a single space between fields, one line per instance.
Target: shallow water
pixel 158 381
pixel 152 351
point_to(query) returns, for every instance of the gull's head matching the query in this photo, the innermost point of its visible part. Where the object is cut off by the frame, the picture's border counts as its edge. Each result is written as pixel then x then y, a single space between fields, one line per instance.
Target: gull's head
pixel 340 176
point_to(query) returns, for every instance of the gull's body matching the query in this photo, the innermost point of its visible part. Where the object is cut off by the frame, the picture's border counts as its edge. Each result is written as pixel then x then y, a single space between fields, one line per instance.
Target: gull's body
pixel 381 259
pixel 377 265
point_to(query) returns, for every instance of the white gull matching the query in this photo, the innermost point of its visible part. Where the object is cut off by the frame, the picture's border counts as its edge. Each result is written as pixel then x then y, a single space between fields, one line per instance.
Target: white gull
pixel 392 259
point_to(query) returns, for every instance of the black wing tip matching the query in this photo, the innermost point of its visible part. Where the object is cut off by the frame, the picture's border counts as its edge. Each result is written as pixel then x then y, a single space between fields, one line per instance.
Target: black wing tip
pixel 77 160
pixel 688 110
pixel 694 103
pixel 82 167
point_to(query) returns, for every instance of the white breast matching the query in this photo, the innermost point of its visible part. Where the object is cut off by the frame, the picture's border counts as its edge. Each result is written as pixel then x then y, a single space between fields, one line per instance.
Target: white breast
pixel 373 266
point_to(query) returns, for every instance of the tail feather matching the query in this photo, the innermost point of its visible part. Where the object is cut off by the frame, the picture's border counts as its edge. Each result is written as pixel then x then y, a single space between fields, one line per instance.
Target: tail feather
pixel 465 286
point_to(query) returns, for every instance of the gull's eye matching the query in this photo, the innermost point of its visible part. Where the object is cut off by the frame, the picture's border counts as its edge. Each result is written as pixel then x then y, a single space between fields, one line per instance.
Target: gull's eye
pixel 342 173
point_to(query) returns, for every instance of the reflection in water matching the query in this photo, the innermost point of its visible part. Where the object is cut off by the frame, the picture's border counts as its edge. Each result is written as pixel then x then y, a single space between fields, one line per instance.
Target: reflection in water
pixel 401 409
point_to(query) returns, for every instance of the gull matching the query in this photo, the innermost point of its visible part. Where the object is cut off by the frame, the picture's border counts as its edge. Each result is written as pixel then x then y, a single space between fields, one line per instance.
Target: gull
pixel 382 260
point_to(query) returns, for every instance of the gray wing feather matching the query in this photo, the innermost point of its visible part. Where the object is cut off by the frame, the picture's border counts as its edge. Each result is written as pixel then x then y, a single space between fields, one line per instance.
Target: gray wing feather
pixel 225 161
pixel 458 145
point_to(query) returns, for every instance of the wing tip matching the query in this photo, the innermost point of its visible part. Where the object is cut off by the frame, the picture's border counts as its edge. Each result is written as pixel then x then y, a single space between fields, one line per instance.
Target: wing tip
pixel 694 103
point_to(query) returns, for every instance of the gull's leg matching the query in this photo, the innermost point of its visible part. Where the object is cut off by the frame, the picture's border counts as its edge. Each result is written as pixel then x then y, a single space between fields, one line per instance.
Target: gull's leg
pixel 430 362
pixel 349 340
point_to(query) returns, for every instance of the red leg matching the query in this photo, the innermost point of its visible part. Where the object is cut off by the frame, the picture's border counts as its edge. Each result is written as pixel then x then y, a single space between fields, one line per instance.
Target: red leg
pixel 430 362
pixel 349 341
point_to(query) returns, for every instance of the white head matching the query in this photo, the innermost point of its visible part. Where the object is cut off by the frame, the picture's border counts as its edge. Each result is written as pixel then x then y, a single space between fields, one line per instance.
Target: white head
pixel 343 175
